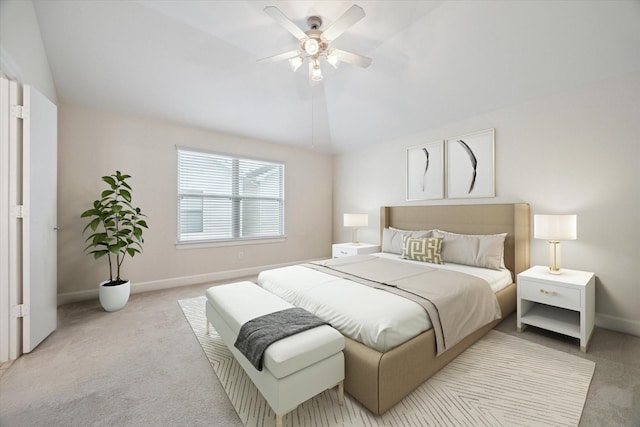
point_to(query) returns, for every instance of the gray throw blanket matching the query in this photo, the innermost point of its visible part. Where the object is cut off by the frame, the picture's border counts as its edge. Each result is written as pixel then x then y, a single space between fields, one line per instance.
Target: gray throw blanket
pixel 259 333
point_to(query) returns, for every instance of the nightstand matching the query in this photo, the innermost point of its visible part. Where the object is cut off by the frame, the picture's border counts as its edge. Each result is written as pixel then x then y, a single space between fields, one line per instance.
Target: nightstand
pixel 339 250
pixel 563 303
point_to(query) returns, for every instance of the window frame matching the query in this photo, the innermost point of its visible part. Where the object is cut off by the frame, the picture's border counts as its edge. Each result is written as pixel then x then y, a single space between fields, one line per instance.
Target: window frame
pixel 236 201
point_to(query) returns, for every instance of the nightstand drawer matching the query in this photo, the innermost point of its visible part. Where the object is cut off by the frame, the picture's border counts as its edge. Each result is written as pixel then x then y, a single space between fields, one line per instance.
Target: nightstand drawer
pixel 545 293
pixel 340 250
pixel 344 250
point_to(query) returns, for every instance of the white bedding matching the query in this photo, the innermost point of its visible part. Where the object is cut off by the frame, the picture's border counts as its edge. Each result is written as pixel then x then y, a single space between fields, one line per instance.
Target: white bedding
pixel 376 318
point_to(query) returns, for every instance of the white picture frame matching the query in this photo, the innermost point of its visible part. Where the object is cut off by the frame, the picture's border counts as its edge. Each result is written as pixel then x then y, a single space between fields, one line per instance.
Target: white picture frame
pixel 471 165
pixel 425 171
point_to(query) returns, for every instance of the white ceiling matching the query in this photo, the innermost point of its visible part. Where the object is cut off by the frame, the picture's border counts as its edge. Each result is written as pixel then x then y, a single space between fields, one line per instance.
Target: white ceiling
pixel 194 62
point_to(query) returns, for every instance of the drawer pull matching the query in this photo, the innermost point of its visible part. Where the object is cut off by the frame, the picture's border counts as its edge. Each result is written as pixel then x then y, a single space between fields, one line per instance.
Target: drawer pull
pixel 552 293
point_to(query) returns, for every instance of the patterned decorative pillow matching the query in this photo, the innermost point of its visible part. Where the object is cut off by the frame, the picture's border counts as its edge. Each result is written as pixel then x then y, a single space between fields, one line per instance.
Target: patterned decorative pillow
pixel 422 249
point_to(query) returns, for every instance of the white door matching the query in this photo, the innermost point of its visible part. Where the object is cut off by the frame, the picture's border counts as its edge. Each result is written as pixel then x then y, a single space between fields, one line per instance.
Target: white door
pixel 39 185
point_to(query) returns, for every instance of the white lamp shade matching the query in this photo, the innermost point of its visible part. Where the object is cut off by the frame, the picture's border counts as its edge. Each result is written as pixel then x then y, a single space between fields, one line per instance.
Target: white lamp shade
pixel 315 73
pixel 555 227
pixel 333 59
pixel 356 220
pixel 295 63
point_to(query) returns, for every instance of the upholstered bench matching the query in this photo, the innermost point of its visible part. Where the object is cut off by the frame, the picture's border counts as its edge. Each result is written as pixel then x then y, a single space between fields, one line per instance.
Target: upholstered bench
pixel 295 368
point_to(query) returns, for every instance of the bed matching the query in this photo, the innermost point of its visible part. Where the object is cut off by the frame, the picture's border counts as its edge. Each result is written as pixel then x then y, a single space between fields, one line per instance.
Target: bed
pixel 379 377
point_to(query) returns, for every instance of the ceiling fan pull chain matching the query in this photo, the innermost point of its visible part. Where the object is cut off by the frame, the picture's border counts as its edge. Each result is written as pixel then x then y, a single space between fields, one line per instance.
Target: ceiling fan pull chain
pixel 313 145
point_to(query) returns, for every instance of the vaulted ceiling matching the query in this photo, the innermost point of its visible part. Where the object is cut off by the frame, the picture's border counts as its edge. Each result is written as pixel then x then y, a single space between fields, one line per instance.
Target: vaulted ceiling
pixel 194 62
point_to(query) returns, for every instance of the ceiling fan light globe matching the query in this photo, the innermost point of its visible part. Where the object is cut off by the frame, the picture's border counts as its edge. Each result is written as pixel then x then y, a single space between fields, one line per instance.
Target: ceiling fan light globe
pixel 315 73
pixel 311 46
pixel 333 59
pixel 295 63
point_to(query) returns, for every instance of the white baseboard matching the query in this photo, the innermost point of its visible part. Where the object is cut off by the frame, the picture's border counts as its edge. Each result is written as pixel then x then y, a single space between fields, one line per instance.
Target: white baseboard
pixel 156 285
pixel 606 321
pixel 69 297
pixel 626 326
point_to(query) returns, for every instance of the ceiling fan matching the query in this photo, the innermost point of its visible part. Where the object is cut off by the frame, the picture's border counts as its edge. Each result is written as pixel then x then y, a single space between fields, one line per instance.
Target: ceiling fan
pixel 316 44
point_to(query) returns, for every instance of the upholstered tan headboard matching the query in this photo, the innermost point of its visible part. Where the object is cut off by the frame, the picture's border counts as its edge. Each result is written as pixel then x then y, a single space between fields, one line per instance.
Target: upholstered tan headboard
pixel 513 219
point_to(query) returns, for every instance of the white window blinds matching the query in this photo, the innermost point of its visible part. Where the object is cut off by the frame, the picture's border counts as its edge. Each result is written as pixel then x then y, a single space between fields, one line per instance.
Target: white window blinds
pixel 228 198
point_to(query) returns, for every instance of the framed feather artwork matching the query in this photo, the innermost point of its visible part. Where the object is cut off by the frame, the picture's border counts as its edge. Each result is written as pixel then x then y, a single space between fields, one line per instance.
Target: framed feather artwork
pixel 471 165
pixel 425 171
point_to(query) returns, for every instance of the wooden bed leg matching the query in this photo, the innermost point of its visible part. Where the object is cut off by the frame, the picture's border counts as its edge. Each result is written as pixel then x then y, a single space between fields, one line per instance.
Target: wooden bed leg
pixel 341 392
pixel 279 417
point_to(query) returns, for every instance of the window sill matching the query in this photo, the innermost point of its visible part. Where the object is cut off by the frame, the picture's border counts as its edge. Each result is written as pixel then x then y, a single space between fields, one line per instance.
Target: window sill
pixel 224 243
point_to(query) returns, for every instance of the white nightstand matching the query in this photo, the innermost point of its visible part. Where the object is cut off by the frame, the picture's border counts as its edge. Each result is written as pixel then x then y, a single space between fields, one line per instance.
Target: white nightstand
pixel 338 250
pixel 563 303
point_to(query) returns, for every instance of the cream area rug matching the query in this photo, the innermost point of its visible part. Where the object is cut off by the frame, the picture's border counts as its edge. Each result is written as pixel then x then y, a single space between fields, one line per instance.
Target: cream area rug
pixel 499 381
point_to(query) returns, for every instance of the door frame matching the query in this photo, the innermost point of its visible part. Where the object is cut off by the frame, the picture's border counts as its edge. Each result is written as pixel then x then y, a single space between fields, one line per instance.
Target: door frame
pixel 11 248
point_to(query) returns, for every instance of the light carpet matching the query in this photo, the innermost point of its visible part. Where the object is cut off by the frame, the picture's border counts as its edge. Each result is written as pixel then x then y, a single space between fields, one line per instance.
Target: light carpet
pixel 499 381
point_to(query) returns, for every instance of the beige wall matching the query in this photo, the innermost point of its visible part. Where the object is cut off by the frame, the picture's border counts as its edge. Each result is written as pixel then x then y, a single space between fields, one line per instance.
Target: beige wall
pixel 576 152
pixel 94 143
pixel 573 152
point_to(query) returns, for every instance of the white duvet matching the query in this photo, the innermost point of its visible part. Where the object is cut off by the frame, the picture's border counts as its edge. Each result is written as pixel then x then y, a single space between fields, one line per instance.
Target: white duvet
pixel 378 319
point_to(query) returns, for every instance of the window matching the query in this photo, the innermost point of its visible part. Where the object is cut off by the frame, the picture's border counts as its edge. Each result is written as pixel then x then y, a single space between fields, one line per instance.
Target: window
pixel 223 198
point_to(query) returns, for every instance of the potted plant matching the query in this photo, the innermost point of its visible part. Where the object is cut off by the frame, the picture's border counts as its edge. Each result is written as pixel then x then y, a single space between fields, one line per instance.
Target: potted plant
pixel 116 228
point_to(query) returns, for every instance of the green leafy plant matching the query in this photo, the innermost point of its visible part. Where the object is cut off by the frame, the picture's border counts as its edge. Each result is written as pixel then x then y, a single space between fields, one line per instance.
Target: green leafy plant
pixel 115 224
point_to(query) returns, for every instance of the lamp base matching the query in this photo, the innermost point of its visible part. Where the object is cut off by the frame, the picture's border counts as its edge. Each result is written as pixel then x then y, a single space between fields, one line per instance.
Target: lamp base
pixel 554 271
pixel 554 257
pixel 354 237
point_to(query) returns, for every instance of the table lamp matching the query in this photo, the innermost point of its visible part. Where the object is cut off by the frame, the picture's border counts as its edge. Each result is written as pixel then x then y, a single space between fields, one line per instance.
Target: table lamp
pixel 355 221
pixel 555 228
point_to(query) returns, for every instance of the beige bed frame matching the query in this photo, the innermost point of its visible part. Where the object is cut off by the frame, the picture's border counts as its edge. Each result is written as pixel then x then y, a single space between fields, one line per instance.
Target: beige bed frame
pixel 380 380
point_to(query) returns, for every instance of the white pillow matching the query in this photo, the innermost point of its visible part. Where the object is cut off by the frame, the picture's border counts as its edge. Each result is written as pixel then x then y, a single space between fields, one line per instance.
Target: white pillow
pixel 392 238
pixel 479 250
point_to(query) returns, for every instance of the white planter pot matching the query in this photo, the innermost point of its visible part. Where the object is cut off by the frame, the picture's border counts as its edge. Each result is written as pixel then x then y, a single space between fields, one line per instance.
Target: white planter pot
pixel 114 298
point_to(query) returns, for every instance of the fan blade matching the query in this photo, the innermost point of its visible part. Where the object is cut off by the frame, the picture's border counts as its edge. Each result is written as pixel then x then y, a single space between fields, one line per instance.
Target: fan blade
pixel 285 22
pixel 352 58
pixel 280 57
pixel 350 17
